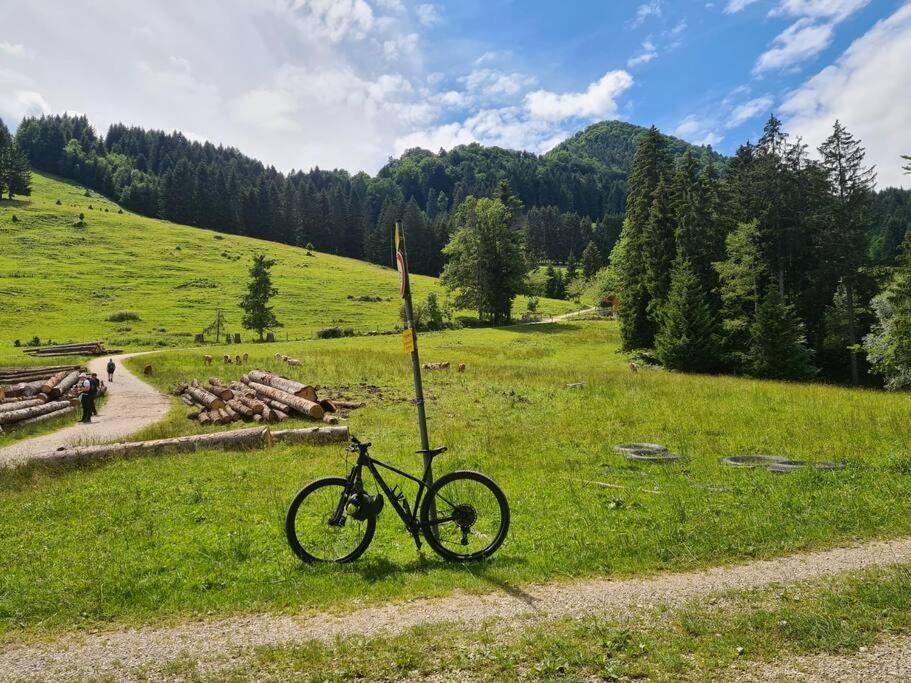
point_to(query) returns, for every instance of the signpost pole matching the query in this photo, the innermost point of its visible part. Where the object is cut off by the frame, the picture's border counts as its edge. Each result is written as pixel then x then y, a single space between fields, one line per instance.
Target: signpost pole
pixel 411 343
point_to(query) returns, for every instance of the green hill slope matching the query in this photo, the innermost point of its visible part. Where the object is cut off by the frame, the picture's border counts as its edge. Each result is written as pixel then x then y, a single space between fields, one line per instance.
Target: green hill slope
pixel 62 282
pixel 613 143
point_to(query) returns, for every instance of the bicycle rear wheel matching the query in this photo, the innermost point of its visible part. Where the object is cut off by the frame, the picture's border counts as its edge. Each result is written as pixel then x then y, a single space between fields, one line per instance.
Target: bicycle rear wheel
pixel 316 534
pixel 468 512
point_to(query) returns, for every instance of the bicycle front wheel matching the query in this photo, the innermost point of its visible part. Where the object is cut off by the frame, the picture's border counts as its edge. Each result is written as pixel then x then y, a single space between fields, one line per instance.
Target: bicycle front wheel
pixel 465 516
pixel 317 532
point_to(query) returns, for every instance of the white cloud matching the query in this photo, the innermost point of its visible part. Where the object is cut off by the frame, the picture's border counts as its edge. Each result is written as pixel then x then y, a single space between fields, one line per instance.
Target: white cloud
pixel 646 10
pixel 697 130
pixel 649 52
pixel 599 100
pixel 12 49
pixel 401 48
pixel 801 40
pixel 334 19
pixel 679 28
pixel 16 105
pixel 837 10
pixel 748 110
pixel 428 14
pixel 391 5
pixel 735 6
pixel 493 84
pixel 867 90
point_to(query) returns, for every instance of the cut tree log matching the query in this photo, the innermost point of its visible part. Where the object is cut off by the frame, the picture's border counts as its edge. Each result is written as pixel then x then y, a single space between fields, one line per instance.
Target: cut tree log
pixel 50 384
pixel 278 415
pixel 8 417
pixel 300 405
pixel 19 405
pixel 311 435
pixel 240 408
pixel 47 416
pixel 25 389
pixel 348 405
pixel 205 398
pixel 290 386
pixel 203 418
pixel 220 390
pixel 69 381
pixel 256 406
pixel 255 437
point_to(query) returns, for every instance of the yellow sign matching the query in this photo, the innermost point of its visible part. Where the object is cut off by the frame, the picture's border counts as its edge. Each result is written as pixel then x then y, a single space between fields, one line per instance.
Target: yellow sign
pixel 408 340
pixel 397 237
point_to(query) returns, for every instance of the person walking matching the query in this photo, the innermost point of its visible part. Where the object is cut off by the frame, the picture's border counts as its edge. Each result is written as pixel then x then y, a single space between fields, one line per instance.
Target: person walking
pixel 85 386
pixel 93 391
pixel 111 368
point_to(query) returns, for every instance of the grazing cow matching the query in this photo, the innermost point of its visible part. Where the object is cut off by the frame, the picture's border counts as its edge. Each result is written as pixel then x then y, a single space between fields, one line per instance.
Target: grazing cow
pixel 461 367
pixel 277 356
pixel 294 362
pixel 285 358
pixel 207 359
pixel 633 367
pixel 227 359
pixel 237 360
pixel 246 358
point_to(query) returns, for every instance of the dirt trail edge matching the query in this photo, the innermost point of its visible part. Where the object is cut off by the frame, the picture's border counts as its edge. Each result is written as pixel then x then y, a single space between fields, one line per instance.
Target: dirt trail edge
pixel 131 405
pixel 125 653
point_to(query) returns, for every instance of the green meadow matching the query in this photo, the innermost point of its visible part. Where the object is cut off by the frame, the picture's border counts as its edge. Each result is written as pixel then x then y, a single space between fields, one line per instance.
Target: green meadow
pixel 162 538
pixel 65 283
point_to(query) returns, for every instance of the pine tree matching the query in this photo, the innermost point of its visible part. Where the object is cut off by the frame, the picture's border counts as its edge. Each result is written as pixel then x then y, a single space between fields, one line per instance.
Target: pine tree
pixel 5 142
pixel 19 175
pixel 572 267
pixel 258 315
pixel 778 349
pixel 485 265
pixel 689 333
pixel 591 261
pixel 888 345
pixel 659 245
pixel 649 165
pixel 851 185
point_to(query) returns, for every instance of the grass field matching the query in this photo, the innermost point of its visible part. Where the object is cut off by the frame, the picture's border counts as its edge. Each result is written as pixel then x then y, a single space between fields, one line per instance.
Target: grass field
pixel 63 282
pixel 160 538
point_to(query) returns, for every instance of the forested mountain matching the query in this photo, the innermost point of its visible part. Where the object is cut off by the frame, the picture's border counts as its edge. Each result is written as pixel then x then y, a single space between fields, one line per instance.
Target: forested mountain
pixel 571 196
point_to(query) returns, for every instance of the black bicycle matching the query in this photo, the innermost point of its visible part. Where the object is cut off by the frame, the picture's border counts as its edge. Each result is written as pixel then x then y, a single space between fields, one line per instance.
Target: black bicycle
pixel 463 516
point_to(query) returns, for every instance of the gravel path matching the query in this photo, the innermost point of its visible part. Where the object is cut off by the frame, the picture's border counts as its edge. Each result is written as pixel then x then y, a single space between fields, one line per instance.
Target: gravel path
pixel 131 405
pixel 125 654
pixel 887 661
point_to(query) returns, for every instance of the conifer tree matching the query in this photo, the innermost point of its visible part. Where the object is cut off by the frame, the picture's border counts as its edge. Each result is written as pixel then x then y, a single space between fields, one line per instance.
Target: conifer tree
pixel 888 345
pixel 649 164
pixel 258 315
pixel 741 275
pixel 778 348
pixel 591 261
pixel 689 333
pixel 659 245
pixel 572 267
pixel 850 184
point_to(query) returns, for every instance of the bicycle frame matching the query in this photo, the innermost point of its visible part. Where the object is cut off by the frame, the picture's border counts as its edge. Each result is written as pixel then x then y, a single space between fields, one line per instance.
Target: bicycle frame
pixel 356 484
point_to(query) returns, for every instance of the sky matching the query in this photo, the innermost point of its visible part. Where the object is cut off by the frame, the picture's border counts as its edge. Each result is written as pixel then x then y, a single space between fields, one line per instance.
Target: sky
pixel 349 83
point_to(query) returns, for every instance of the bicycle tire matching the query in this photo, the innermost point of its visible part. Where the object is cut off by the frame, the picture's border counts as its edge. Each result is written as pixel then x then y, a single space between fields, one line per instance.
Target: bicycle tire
pixel 291 527
pixel 431 501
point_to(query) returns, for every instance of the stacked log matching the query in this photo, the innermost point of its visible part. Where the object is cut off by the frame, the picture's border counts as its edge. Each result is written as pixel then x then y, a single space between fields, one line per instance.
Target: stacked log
pixel 259 397
pixel 36 394
pixel 95 348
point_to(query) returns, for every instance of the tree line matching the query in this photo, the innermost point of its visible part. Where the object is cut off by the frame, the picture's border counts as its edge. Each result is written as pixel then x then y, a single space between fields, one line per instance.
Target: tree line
pixel 774 264
pixel 15 174
pixel 571 199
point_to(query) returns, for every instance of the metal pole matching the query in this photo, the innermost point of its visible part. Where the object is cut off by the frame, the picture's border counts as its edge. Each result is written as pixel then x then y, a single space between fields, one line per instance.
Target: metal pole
pixel 415 358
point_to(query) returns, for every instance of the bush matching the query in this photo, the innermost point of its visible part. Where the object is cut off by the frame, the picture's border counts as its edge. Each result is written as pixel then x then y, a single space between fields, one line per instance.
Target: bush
pixel 532 304
pixel 15 218
pixel 81 216
pixel 334 333
pixel 87 194
pixel 17 343
pixel 34 341
pixel 122 316
pixel 59 203
pixel 119 210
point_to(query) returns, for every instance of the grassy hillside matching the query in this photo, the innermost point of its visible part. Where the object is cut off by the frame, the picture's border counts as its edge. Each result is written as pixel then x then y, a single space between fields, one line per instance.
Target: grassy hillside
pixel 64 282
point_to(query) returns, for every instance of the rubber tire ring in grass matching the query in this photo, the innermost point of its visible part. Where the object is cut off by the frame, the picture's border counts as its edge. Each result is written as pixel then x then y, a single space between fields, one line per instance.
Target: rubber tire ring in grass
pixel 640 448
pixel 651 457
pixel 794 465
pixel 750 461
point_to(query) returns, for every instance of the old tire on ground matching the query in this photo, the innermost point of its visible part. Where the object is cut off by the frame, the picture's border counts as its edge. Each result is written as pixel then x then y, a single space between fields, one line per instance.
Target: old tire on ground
pixel 794 465
pixel 757 460
pixel 640 448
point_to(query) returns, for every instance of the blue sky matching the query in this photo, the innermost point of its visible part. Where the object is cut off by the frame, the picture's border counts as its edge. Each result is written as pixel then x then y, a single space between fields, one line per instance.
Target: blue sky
pixel 346 83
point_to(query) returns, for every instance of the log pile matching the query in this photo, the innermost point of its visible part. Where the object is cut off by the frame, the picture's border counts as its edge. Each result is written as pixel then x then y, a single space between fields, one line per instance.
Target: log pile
pixel 37 394
pixel 258 397
pixel 95 348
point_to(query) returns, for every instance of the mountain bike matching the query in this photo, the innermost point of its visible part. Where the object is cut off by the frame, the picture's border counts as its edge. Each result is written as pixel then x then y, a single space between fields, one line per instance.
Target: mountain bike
pixel 464 515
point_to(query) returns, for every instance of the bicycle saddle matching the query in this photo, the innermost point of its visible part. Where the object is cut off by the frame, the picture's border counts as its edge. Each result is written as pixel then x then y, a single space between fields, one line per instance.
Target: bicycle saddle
pixel 432 452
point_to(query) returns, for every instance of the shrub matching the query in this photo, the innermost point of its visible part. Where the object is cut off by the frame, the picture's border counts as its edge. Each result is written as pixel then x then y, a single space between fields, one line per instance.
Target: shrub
pixel 17 343
pixel 119 210
pixel 334 333
pixel 87 194
pixel 122 316
pixel 91 208
pixel 58 203
pixel 15 218
pixel 34 341
pixel 218 237
pixel 81 216
pixel 532 304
